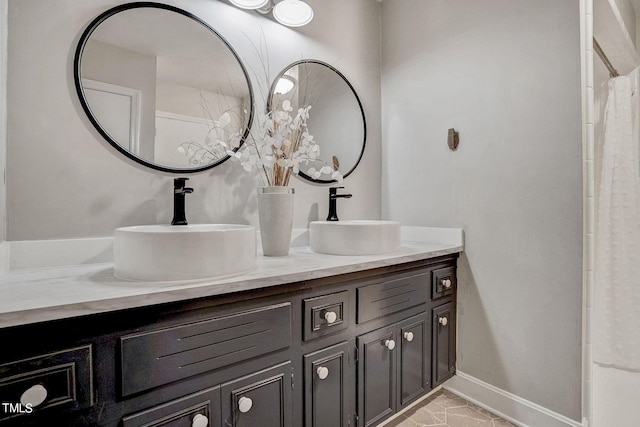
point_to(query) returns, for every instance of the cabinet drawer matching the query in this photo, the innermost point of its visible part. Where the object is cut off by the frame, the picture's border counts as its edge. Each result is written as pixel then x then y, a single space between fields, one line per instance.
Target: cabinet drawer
pixel 382 299
pixel 443 282
pixel 60 379
pixel 154 358
pixel 325 315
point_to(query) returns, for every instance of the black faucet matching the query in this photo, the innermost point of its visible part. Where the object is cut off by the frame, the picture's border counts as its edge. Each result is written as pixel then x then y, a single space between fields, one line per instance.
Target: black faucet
pixel 179 191
pixel 333 197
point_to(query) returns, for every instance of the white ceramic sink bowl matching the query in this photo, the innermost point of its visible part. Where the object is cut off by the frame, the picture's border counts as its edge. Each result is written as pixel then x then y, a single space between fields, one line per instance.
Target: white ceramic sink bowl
pixel 183 252
pixel 357 237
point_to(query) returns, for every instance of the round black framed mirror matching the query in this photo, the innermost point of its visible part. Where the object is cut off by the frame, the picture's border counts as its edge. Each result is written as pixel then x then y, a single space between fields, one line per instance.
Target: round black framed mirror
pixel 336 118
pixel 163 87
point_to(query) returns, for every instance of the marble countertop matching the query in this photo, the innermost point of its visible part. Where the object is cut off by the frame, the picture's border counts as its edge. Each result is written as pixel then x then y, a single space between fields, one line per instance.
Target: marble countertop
pixel 30 296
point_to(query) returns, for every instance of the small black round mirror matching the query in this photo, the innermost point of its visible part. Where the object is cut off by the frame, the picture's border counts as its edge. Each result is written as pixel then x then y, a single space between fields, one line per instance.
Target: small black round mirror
pixel 336 118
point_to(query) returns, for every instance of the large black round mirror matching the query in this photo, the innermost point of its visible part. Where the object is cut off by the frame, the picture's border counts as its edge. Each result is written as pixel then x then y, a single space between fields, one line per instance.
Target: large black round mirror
pixel 163 87
pixel 336 118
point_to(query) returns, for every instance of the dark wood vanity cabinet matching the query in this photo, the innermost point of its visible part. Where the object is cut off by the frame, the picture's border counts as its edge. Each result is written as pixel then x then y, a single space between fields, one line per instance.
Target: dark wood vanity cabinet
pixel 342 351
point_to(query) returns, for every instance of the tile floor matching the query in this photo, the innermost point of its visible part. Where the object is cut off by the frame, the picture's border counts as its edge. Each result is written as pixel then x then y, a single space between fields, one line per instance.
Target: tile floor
pixel 445 409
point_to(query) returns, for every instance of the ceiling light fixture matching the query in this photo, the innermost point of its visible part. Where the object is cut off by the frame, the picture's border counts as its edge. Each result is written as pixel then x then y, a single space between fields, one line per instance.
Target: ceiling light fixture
pixel 293 13
pixel 285 85
pixel 249 4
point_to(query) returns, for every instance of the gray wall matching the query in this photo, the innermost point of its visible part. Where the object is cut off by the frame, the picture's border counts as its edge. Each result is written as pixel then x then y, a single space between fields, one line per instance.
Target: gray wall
pixel 506 74
pixel 3 116
pixel 63 181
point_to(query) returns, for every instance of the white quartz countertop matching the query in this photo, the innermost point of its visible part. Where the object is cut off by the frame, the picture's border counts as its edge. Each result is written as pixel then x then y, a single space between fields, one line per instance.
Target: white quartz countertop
pixel 30 296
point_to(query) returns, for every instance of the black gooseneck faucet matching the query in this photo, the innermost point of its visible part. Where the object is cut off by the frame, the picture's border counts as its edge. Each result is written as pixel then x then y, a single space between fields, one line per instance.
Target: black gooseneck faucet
pixel 179 191
pixel 333 197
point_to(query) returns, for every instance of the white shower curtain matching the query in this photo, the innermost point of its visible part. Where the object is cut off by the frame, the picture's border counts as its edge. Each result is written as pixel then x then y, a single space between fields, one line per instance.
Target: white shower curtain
pixel 616 305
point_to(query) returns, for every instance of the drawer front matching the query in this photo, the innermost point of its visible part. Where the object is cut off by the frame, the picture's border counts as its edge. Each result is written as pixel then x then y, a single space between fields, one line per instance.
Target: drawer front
pixel 61 379
pixel 198 409
pixel 382 299
pixel 325 315
pixel 154 358
pixel 443 282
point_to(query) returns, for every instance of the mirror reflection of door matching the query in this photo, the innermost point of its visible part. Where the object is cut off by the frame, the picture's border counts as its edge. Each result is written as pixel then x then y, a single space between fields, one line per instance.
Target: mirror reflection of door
pixel 119 107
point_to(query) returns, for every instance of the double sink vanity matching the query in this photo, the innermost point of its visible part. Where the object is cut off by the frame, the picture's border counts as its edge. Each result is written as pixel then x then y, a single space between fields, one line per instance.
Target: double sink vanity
pixel 309 339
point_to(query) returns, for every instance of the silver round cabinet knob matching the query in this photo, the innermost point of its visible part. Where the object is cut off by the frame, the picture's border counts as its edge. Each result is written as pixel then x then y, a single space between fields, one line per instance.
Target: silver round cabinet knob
pixel 323 372
pixel 200 421
pixel 408 336
pixel 245 404
pixel 330 316
pixel 34 395
pixel 443 321
pixel 446 283
pixel 390 344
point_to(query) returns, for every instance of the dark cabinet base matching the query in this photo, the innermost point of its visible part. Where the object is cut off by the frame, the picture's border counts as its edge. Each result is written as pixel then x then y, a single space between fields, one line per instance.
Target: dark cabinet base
pixel 344 351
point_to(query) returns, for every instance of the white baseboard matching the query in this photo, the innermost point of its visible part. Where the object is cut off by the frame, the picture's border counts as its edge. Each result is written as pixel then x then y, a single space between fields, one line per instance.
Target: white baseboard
pixel 507 405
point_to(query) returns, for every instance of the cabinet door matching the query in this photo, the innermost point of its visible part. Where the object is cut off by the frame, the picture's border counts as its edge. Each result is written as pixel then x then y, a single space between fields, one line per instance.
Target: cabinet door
pixel 197 410
pixel 414 359
pixel 443 363
pixel 262 399
pixel 326 378
pixel 376 375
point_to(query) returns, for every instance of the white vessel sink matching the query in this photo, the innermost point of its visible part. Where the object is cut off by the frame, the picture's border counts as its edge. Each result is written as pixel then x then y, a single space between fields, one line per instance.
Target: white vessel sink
pixel 357 237
pixel 183 252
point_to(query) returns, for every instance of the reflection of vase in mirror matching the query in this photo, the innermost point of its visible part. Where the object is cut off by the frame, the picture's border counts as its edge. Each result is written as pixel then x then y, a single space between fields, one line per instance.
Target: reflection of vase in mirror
pixel 336 119
pixel 153 78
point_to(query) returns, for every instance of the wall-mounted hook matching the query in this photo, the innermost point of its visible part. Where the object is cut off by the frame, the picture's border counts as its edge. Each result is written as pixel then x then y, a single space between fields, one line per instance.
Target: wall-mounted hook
pixel 453 139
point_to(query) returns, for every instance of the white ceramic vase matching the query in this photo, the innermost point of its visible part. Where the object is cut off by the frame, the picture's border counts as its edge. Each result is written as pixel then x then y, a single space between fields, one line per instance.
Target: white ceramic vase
pixel 275 208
